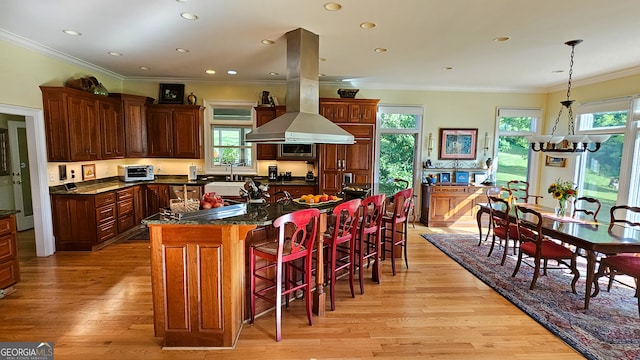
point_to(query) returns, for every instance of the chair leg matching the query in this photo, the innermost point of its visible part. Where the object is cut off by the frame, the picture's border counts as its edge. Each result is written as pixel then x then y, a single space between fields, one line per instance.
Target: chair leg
pixel 515 271
pixel 576 273
pixel 360 265
pixel 332 281
pixel 493 242
pixel 352 268
pixel 307 290
pixel 278 302
pixel 506 251
pixel 535 274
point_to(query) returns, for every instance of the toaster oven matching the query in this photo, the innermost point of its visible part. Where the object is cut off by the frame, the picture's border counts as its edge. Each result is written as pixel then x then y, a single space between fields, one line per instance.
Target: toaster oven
pixel 130 173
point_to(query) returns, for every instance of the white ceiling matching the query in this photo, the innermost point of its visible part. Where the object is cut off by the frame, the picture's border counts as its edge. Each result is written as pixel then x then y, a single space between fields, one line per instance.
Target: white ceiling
pixel 422 37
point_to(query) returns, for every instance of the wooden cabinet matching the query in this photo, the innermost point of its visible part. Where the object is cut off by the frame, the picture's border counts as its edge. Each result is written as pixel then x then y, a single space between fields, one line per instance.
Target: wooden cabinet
pixel 125 209
pixel 89 222
pixel 265 114
pixel 134 114
pixel 111 130
pixel 341 164
pixel 81 126
pixel 9 267
pixel 362 111
pixel 175 131
pixel 296 191
pixel 447 205
pixel 156 197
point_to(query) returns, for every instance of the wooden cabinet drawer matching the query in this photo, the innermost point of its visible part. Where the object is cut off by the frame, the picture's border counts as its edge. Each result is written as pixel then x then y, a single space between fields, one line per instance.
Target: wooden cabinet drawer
pixel 6 226
pixel 9 274
pixel 106 213
pixel 107 230
pixel 104 199
pixel 125 223
pixel 125 207
pixel 124 194
pixel 7 248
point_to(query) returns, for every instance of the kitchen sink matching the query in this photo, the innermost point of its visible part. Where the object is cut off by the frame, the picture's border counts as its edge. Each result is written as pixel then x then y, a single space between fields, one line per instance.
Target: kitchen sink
pixel 224 188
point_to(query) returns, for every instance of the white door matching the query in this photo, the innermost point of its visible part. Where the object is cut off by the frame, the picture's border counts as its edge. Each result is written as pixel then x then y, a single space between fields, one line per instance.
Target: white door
pixel 20 174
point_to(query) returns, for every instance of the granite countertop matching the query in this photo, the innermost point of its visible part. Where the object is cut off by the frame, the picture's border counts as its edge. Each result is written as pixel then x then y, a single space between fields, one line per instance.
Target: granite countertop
pixel 7 213
pixel 111 184
pixel 239 214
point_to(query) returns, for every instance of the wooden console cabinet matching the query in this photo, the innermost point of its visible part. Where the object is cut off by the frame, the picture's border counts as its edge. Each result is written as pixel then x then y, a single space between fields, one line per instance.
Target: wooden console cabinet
pixel 9 268
pixel 447 205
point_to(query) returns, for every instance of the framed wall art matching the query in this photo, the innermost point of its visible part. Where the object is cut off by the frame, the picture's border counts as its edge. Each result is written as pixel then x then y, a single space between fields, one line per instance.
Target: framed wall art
pixel 171 94
pixel 458 144
pixel 88 172
pixel 445 177
pixel 555 161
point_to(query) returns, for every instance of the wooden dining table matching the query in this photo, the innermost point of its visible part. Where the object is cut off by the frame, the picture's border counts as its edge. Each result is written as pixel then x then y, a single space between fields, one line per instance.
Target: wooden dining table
pixel 592 237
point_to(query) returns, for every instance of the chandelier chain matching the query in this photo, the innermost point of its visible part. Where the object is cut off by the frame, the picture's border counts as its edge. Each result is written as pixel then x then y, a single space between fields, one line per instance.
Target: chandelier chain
pixel 571 128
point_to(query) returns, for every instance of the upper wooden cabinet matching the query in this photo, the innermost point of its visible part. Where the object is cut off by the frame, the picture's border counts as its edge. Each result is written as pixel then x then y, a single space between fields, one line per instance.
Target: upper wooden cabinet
pixel 361 111
pixel 134 113
pixel 264 114
pixel 111 130
pixel 175 131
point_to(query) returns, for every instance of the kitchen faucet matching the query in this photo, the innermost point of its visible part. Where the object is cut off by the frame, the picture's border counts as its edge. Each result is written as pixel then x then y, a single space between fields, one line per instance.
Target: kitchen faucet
pixel 231 165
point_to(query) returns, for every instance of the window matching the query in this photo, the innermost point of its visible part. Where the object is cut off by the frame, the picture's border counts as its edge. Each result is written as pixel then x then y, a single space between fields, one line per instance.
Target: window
pixel 513 151
pixel 398 137
pixel 600 174
pixel 227 125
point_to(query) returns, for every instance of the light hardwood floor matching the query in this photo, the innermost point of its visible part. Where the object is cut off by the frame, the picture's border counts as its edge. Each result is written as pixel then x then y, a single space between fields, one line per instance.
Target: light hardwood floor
pixel 98 306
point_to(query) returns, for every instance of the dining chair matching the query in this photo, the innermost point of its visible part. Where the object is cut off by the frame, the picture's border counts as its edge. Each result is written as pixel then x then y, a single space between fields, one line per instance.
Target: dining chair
pixel 369 236
pixel 587 205
pixel 519 189
pixel 624 215
pixel 626 264
pixel 394 227
pixel 496 191
pixel 503 227
pixel 340 240
pixel 539 247
pixel 296 235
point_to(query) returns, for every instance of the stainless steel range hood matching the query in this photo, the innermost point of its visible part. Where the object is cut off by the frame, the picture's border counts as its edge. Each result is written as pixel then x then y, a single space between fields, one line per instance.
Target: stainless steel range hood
pixel 302 124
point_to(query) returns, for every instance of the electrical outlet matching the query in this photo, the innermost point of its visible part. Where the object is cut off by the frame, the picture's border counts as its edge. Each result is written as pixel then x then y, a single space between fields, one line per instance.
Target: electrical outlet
pixel 52 177
pixel 199 168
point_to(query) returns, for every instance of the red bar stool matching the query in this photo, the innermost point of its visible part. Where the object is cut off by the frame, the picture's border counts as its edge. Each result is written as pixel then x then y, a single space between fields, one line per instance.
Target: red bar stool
pixel 396 224
pixel 340 239
pixel 296 236
pixel 369 236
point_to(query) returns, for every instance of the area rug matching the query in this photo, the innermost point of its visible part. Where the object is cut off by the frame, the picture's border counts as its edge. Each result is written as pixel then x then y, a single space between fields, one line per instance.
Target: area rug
pixel 610 329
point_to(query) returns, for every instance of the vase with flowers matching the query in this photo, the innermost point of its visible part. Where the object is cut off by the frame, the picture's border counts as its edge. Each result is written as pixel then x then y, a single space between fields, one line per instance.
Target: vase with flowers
pixel 562 191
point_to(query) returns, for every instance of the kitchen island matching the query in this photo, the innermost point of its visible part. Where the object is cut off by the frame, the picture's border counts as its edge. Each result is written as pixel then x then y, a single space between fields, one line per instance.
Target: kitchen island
pixel 198 272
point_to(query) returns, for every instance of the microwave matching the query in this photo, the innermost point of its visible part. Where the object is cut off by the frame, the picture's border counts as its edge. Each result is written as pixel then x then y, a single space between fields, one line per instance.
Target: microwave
pixel 130 173
pixel 297 151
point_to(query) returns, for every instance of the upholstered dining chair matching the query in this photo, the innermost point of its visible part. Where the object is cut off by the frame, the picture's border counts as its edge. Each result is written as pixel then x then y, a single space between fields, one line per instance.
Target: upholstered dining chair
pixel 496 191
pixel 519 189
pixel 369 236
pixel 394 227
pixel 503 228
pixel 539 247
pixel 588 206
pixel 340 240
pixel 627 264
pixel 296 236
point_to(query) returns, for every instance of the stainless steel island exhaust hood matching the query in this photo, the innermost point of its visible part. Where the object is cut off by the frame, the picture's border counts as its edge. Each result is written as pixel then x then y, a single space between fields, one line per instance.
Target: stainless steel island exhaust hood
pixel 302 124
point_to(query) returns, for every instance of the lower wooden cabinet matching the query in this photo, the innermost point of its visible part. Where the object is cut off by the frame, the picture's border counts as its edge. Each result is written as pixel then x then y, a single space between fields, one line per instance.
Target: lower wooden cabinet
pixel 447 205
pixel 295 190
pixel 9 268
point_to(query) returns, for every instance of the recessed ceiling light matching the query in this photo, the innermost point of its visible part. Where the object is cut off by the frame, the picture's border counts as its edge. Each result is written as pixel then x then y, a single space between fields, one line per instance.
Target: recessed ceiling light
pixel 447 68
pixel 113 53
pixel 268 42
pixel 557 71
pixel 72 32
pixel 321 74
pixel 367 25
pixel 380 50
pixel 182 1
pixel 501 38
pixel 232 72
pixel 145 68
pixel 189 16
pixel 181 50
pixel 332 6
pixel 273 73
pixel 210 72
pixel 322 59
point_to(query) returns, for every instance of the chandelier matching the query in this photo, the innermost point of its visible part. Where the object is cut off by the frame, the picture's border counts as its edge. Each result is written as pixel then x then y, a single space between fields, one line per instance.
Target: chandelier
pixel 560 145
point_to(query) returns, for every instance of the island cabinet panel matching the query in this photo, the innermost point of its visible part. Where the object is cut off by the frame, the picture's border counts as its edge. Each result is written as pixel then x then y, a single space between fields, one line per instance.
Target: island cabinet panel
pixel 9 267
pixel 447 205
pixel 198 283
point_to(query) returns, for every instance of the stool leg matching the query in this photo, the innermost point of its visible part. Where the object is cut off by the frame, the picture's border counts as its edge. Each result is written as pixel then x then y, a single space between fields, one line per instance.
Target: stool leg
pixel 252 269
pixel 278 302
pixel 406 259
pixel 361 254
pixel 375 272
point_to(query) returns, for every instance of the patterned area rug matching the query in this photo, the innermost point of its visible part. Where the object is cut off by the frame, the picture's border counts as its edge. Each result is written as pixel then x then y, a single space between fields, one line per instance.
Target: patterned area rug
pixel 610 329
